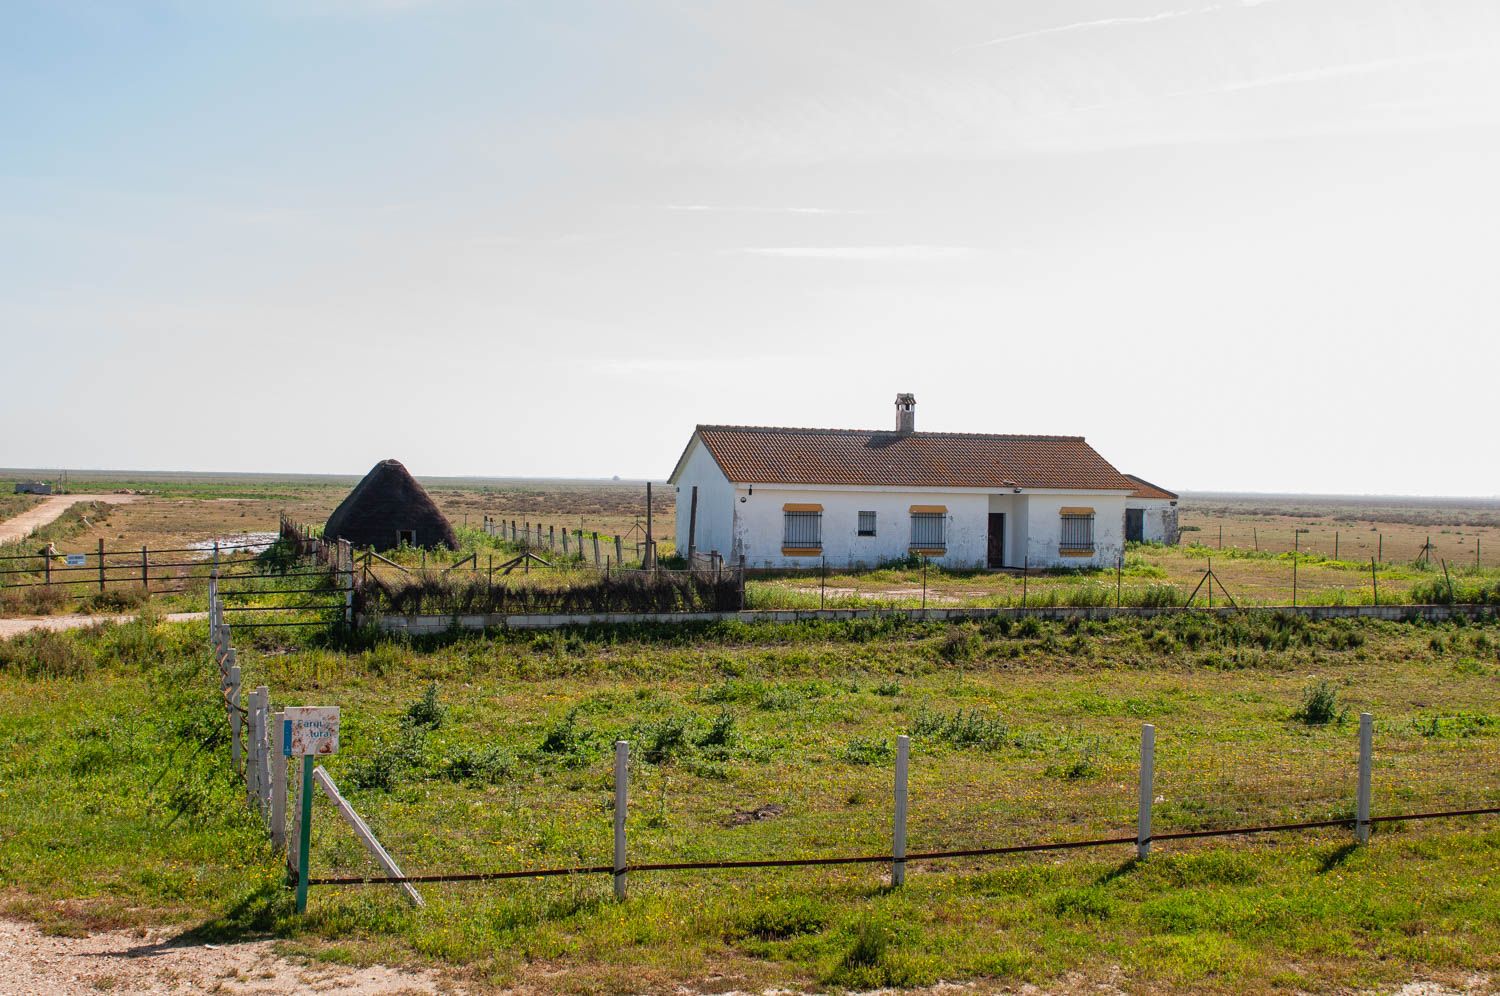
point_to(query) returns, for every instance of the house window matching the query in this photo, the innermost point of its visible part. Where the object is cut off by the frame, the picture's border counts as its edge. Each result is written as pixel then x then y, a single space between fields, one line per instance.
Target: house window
pixel 928 530
pixel 406 537
pixel 867 523
pixel 802 531
pixel 1077 532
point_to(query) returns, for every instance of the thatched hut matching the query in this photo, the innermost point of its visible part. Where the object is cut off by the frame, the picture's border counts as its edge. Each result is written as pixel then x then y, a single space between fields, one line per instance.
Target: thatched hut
pixel 389 508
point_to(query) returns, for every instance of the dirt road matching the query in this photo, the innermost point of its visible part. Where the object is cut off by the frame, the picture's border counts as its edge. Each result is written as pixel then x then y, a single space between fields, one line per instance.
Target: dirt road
pixel 25 624
pixel 161 961
pixel 23 525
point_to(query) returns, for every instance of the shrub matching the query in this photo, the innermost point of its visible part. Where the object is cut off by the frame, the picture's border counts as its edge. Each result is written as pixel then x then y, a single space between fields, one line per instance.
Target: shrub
pixel 792 916
pixel 957 645
pixel 863 751
pixel 567 742
pixel 720 731
pixel 962 729
pixel 1160 596
pixel 1320 705
pixel 425 713
pixel 45 654
pixel 491 763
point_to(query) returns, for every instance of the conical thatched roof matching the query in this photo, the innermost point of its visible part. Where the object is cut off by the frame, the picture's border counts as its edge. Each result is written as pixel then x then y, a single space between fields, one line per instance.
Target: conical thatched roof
pixel 383 505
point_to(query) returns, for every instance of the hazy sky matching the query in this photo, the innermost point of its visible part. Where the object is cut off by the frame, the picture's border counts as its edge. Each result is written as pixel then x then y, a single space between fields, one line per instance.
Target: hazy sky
pixel 1238 244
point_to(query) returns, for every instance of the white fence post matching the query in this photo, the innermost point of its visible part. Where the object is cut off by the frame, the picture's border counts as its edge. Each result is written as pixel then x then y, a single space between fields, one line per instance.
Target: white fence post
pixel 294 790
pixel 252 752
pixel 278 785
pixel 1366 752
pixel 263 752
pixel 898 851
pixel 1148 790
pixel 233 708
pixel 622 794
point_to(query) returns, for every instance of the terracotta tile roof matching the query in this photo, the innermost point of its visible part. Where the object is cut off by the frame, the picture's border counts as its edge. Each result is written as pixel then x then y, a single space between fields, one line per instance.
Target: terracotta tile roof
pixel 1145 489
pixel 759 455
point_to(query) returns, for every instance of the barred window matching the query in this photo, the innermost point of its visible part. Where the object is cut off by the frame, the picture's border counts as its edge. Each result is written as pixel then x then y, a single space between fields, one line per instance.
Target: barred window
pixel 803 530
pixel 867 523
pixel 928 530
pixel 1077 531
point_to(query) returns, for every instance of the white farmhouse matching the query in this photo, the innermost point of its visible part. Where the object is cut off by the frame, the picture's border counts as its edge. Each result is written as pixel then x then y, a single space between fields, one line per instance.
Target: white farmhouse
pixel 797 497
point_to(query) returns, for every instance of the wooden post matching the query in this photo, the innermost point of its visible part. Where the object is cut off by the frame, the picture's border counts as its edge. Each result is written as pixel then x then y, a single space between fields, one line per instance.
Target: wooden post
pixel 1148 791
pixel 552 537
pixel 898 849
pixel 650 537
pixel 47 566
pixel 596 548
pixel 1294 579
pixel 253 750
pixel 234 712
pixel 622 798
pixel 366 836
pixel 278 786
pixel 1380 546
pixel 1374 584
pixel 619 550
pixel 1335 544
pixel 1255 532
pixel 1366 750
pixel 145 569
pixel 692 526
pixel 1221 536
pixel 101 563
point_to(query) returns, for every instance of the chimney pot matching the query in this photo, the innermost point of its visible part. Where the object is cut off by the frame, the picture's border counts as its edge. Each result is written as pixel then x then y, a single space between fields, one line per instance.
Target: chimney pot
pixel 906 413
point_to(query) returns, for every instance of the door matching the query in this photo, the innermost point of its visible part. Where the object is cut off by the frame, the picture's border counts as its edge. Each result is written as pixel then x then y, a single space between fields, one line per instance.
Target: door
pixel 1135 525
pixel 996 556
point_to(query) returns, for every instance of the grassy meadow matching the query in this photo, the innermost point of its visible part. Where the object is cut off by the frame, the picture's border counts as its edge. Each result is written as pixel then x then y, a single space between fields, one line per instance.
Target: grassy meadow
pixel 492 752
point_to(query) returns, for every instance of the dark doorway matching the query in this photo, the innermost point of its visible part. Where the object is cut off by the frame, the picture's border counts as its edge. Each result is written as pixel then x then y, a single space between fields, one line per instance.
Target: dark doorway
pixel 1135 525
pixel 997 539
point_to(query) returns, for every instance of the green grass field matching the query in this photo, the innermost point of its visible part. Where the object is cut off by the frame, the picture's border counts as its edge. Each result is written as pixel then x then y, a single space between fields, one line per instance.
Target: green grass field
pixel 492 752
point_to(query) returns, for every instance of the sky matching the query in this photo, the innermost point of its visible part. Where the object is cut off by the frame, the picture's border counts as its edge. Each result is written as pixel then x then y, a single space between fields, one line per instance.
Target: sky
pixel 1241 245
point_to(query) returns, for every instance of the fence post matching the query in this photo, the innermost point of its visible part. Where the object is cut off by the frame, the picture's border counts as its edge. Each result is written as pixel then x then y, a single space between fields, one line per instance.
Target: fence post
pixel 1374 583
pixel 346 556
pixel 596 548
pixel 898 849
pixel 234 709
pixel 565 543
pixel 263 749
pixel 622 775
pixel 1366 750
pixel 619 549
pixel 101 564
pixel 145 569
pixel 1148 791
pixel 278 785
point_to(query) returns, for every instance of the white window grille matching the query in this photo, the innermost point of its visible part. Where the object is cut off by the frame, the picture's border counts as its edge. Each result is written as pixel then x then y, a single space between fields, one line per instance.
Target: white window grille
pixel 1078 531
pixel 928 530
pixel 803 530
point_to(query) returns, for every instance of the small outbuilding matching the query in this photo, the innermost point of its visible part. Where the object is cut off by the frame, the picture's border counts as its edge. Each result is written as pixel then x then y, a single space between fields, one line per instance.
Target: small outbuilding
pixel 388 509
pixel 1150 513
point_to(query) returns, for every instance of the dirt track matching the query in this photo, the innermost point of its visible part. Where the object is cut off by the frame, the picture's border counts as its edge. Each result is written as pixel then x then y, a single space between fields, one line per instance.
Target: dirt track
pixel 32 519
pixel 25 624
pixel 160 961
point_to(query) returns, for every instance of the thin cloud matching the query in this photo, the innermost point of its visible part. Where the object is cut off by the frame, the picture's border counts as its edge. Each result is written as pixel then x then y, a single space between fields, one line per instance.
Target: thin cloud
pixel 1112 22
pixel 748 209
pixel 908 252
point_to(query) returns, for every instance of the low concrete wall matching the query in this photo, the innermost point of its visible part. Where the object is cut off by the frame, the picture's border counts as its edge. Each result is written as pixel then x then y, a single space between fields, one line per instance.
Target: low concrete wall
pixel 442 624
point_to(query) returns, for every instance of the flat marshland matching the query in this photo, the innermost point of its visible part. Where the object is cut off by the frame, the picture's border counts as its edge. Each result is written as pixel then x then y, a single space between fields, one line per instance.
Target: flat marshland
pixel 493 752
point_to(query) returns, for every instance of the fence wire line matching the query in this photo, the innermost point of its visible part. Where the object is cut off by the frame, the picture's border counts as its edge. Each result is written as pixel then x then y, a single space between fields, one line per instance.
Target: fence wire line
pixel 884 858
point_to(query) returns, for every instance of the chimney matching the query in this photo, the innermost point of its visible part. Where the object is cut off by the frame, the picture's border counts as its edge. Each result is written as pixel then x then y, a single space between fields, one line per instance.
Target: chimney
pixel 906 413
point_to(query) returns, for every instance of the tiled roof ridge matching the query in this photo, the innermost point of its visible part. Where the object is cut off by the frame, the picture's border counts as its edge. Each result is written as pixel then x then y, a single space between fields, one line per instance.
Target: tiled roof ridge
pixel 795 430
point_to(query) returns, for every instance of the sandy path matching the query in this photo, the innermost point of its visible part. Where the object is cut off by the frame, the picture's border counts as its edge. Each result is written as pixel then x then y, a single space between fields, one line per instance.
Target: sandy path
pixel 25 624
pixel 32 519
pixel 159 961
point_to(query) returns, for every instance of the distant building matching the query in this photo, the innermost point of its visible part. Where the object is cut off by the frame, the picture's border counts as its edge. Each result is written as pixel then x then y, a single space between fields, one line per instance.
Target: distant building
pixel 1150 514
pixel 389 509
pixel 33 488
pixel 796 497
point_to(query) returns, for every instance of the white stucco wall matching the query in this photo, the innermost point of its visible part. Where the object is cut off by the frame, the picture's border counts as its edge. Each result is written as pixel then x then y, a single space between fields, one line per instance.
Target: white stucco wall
pixel 1033 525
pixel 1159 521
pixel 1044 528
pixel 716 502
